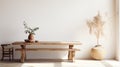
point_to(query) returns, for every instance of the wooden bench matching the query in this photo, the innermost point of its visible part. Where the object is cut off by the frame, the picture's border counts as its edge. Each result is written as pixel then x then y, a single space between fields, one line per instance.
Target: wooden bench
pixel 48 49
pixel 71 50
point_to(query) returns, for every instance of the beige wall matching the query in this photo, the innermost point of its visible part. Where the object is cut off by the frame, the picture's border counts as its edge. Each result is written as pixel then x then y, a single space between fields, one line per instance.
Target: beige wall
pixel 118 29
pixel 59 20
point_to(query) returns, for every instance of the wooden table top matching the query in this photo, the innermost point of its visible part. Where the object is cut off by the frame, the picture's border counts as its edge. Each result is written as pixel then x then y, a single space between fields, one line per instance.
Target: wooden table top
pixel 46 43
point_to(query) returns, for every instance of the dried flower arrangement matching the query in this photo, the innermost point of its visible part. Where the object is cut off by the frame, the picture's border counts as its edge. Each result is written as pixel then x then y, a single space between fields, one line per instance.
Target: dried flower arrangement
pixel 96 27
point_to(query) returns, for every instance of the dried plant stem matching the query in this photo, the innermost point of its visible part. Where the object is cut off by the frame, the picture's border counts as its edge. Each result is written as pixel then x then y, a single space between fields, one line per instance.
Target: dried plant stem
pixel 96 27
pixel 98 39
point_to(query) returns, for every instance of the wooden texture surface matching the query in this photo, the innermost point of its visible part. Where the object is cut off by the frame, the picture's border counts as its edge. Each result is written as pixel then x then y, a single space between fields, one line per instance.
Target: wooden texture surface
pixel 71 50
pixel 48 49
pixel 46 43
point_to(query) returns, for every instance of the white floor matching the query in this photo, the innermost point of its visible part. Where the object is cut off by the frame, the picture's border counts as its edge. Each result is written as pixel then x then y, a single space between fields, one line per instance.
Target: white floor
pixel 77 63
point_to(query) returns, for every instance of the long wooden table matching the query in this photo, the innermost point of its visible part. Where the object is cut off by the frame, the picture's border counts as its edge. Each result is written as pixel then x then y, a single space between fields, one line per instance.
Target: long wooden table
pixel 71 50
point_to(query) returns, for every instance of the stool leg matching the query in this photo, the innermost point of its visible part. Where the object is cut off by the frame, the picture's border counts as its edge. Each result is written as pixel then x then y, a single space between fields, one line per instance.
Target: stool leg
pixel 9 55
pixel 2 57
pixel 12 54
pixel 2 54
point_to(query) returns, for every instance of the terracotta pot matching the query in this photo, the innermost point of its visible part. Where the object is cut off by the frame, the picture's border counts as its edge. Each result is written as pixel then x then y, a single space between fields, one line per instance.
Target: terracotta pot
pixel 31 37
pixel 98 52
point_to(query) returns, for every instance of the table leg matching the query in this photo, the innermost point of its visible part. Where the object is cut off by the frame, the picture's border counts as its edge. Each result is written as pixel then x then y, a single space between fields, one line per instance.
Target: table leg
pixel 22 53
pixel 71 54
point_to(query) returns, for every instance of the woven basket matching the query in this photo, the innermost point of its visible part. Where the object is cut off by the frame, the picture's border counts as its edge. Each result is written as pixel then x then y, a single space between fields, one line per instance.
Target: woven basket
pixel 98 52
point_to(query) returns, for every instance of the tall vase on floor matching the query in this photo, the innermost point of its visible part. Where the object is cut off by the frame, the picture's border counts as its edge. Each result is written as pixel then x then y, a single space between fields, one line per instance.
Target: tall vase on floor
pixel 98 52
pixel 96 27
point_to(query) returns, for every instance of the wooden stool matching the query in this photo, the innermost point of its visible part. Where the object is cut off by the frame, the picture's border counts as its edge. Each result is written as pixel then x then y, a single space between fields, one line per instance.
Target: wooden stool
pixel 7 51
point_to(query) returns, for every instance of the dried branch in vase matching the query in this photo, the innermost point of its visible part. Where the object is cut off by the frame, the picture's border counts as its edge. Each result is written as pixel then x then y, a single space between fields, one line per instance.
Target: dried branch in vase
pixel 96 26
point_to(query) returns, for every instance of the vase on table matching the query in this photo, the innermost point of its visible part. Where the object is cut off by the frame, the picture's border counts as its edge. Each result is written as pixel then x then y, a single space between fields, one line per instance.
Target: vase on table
pixel 31 37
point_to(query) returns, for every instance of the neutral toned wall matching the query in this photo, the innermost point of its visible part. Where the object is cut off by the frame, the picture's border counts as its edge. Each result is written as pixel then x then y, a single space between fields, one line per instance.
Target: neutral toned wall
pixel 58 20
pixel 118 29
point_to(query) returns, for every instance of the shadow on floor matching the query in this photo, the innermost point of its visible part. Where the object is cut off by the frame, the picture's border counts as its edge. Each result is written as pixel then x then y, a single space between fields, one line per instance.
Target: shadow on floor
pixel 32 63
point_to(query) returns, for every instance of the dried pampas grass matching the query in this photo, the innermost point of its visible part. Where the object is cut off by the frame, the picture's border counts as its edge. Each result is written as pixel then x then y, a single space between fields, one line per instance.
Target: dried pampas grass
pixel 96 26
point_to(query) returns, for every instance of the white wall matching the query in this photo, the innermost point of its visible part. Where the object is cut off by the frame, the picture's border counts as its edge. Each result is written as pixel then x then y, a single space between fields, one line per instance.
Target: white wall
pixel 59 20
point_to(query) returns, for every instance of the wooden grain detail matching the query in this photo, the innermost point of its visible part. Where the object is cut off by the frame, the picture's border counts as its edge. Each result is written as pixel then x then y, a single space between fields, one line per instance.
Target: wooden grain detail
pixel 71 50
pixel 71 53
pixel 23 53
pixel 48 49
pixel 46 43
